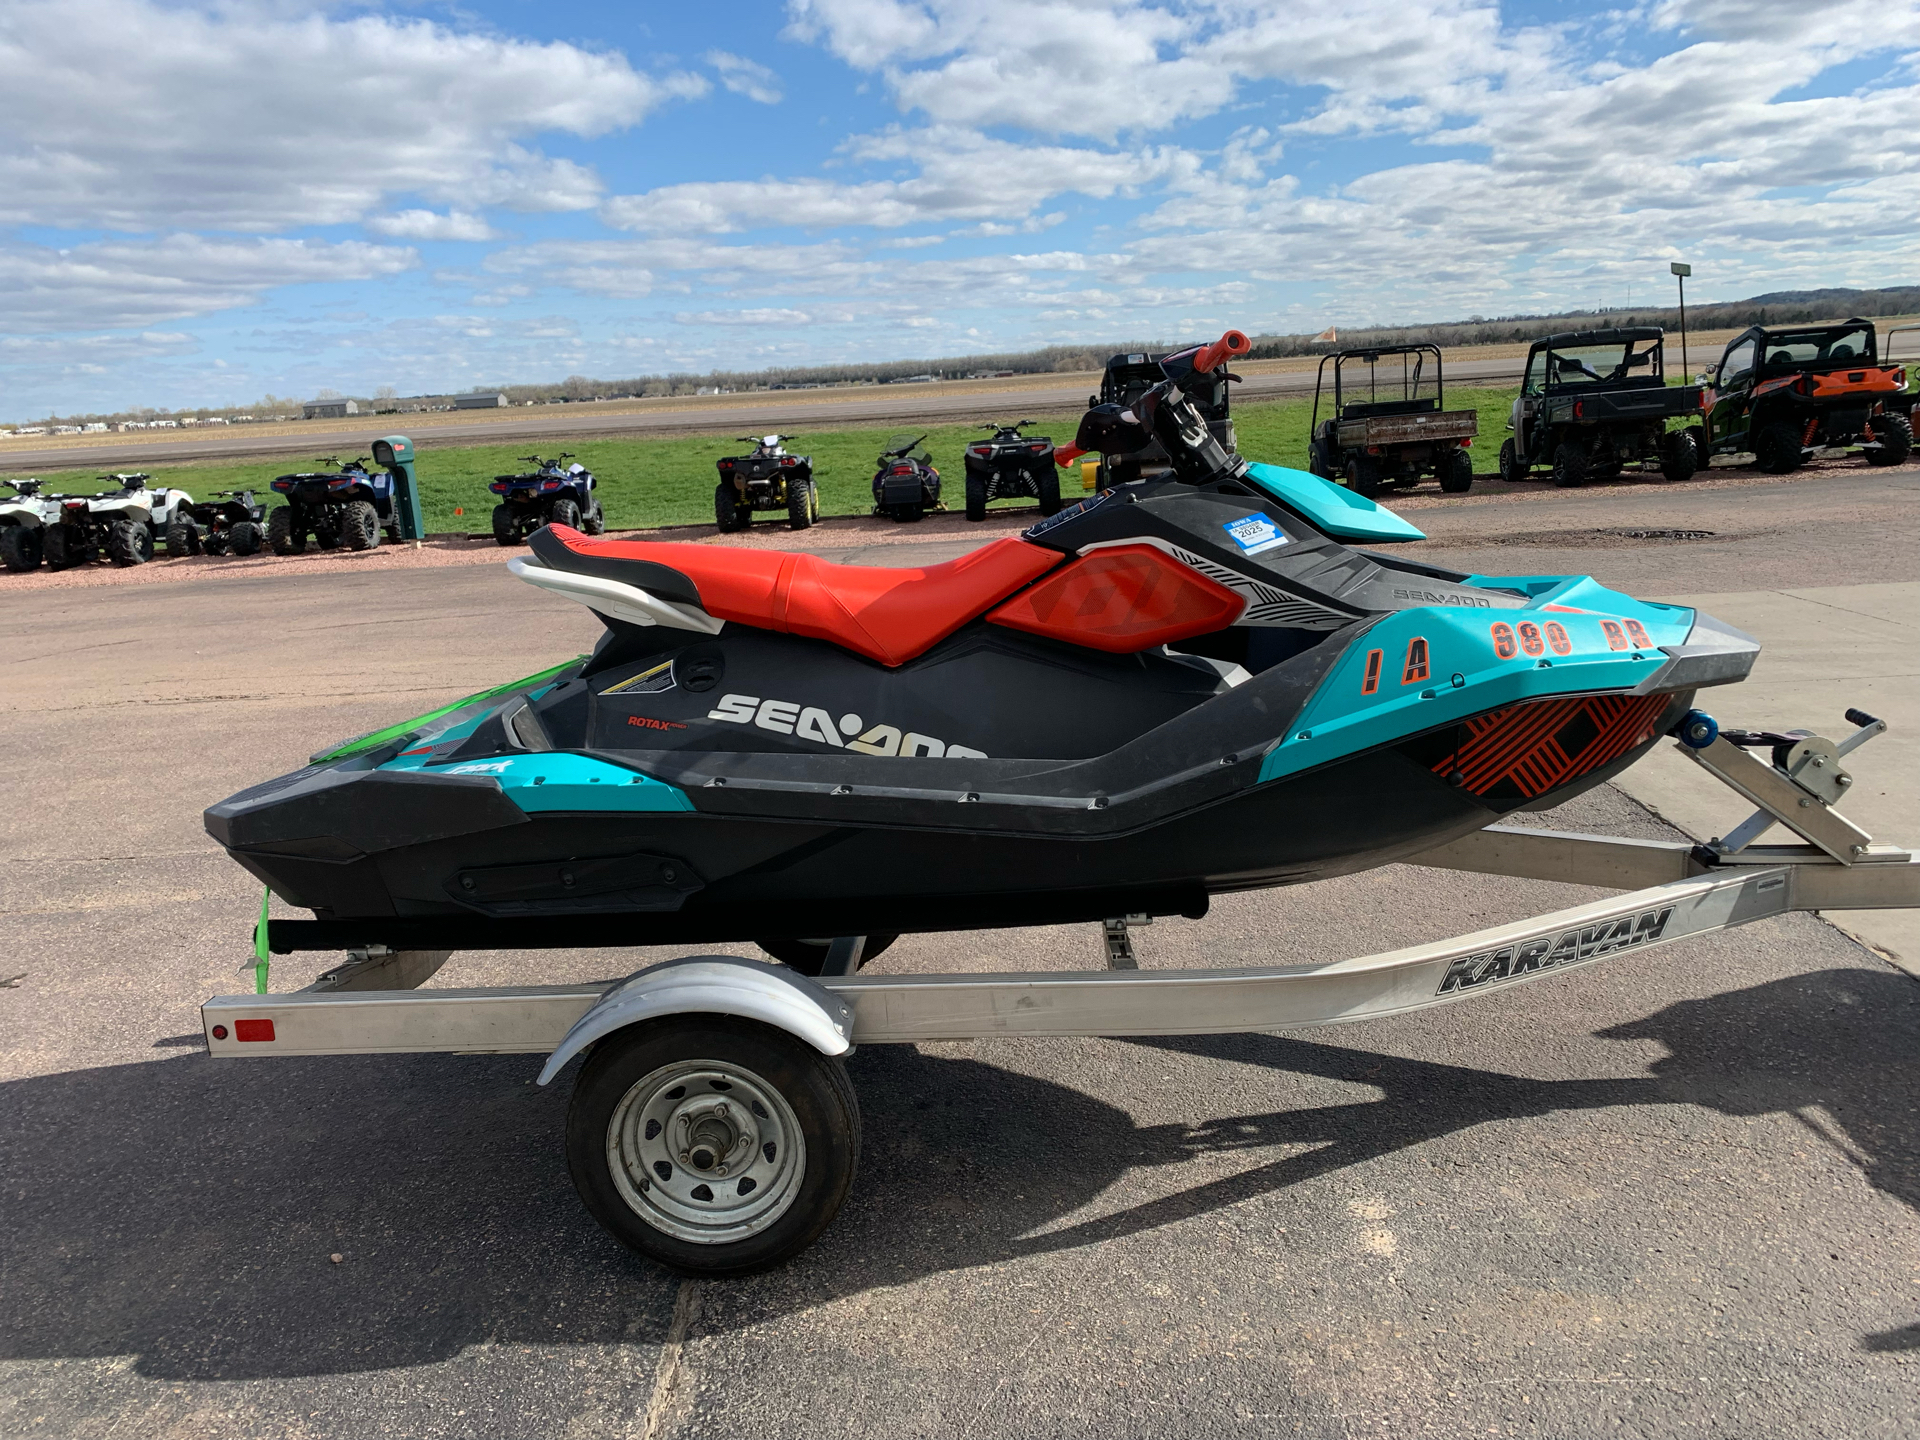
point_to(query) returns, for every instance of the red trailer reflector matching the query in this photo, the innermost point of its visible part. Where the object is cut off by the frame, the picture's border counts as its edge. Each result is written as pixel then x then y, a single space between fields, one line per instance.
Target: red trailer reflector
pixel 253 1029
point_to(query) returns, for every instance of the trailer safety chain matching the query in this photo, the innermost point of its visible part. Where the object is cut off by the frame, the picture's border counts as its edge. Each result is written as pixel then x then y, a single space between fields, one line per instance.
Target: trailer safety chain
pixel 261 962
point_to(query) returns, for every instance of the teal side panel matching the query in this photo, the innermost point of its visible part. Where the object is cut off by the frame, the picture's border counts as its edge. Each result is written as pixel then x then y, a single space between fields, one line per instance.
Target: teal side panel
pixel 1333 508
pixel 1465 675
pixel 561 780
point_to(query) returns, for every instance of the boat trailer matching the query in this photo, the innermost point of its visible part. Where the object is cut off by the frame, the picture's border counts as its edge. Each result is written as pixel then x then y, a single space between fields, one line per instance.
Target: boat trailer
pixel 673 1164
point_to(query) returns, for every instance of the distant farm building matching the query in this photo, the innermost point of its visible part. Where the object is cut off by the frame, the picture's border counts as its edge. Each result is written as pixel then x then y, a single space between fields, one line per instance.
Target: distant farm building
pixel 328 409
pixel 480 400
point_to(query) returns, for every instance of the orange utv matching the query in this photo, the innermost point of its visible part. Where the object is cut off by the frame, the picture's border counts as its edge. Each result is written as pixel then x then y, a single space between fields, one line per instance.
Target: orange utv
pixel 1790 393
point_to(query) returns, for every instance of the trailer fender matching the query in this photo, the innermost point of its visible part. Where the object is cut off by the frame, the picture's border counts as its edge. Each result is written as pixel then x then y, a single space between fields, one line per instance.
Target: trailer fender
pixel 759 990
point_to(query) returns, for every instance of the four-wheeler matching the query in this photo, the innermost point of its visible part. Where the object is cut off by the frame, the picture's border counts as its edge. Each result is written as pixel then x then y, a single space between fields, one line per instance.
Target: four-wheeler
pixel 1183 686
pixel 131 493
pixel 553 493
pixel 905 484
pixel 1371 440
pixel 766 478
pixel 117 523
pixel 1592 401
pixel 1127 377
pixel 1011 464
pixel 229 522
pixel 346 505
pixel 1788 393
pixel 24 517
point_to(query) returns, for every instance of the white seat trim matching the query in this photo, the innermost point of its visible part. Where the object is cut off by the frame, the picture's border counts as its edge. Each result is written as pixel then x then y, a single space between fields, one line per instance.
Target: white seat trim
pixel 611 597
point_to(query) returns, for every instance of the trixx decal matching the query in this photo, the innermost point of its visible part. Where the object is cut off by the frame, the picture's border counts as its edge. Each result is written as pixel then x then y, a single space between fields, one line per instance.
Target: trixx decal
pixel 1553 952
pixel 810 722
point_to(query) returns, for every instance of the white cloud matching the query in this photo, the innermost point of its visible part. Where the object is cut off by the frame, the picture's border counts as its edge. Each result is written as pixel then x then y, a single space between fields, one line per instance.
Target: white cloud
pixel 430 225
pixel 746 77
pixel 129 283
pixel 133 115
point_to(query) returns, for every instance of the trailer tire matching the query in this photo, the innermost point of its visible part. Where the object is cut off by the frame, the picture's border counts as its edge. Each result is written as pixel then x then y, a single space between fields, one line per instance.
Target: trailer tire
pixel 787 1114
pixel 129 542
pixel 1511 470
pixel 1895 433
pixel 807 956
pixel 1456 472
pixel 1678 458
pixel 21 547
pixel 360 525
pixel 1777 449
pixel 244 538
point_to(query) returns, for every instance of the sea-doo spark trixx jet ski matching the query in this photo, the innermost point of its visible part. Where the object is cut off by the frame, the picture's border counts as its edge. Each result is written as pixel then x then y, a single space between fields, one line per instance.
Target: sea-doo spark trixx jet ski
pixel 1186 685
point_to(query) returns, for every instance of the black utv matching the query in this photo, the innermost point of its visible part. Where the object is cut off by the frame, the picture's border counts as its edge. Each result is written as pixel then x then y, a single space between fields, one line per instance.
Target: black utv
pixel 767 478
pixel 1391 427
pixel 227 522
pixel 1128 377
pixel 1787 394
pixel 1595 401
pixel 1010 466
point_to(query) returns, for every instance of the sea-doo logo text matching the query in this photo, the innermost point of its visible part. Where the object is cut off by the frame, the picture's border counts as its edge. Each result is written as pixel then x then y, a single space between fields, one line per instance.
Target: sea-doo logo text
pixel 1569 947
pixel 810 722
pixel 1430 597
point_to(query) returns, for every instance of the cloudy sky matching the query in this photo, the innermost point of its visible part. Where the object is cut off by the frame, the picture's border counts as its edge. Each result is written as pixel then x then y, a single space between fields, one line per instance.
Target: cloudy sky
pixel 199 203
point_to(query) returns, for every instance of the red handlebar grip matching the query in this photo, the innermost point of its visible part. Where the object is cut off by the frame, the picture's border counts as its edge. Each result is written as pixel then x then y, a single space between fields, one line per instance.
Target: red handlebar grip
pixel 1067 454
pixel 1225 348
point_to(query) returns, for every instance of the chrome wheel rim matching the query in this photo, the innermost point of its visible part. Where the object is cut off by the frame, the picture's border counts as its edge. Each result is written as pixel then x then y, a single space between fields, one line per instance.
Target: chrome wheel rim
pixel 706 1152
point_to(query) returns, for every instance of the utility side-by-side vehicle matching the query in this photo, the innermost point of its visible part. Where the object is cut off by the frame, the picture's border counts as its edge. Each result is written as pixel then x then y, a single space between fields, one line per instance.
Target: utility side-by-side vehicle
pixel 1790 393
pixel 1595 401
pixel 1389 429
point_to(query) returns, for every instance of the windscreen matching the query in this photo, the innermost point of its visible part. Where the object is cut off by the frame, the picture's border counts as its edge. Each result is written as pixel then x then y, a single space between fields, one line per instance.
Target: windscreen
pixel 1607 364
pixel 1819 347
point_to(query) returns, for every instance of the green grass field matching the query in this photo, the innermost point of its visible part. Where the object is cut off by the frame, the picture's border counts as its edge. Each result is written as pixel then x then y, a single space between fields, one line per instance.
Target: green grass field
pixel 645 483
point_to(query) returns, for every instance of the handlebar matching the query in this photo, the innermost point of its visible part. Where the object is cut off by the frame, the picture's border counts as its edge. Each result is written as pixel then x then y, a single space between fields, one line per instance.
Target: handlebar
pixel 1229 345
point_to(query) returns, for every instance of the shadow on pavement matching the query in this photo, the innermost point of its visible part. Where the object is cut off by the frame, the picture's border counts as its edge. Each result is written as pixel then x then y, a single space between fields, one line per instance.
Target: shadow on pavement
pixel 183 1212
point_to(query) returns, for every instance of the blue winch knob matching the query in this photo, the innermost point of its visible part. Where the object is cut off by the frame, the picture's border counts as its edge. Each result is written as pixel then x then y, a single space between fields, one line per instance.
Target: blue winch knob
pixel 1698 730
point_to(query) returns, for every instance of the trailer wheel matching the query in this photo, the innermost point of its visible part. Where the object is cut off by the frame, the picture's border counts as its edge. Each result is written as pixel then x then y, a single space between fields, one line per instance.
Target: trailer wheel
pixel 713 1145
pixel 1776 449
pixel 1456 472
pixel 1511 470
pixel 1895 433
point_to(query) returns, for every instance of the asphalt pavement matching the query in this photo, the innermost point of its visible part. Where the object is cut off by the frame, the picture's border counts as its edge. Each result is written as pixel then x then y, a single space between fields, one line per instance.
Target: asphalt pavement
pixel 1673 1193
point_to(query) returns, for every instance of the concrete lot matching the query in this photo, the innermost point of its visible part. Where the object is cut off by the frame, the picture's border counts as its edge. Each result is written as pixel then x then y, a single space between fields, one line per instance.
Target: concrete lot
pixel 1674 1193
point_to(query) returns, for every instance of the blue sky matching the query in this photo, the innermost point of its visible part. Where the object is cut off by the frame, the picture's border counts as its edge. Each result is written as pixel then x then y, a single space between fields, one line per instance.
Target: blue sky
pixel 202 203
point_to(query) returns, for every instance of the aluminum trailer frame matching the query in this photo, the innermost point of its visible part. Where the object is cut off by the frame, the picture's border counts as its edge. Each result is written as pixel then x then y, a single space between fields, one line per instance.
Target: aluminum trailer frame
pixel 1674 890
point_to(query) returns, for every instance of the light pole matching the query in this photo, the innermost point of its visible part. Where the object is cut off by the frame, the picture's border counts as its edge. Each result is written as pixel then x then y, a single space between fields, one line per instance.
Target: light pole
pixel 1680 273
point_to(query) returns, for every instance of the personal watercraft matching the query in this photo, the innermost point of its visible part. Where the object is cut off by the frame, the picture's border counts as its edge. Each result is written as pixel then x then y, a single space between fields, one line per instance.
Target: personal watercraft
pixel 1181 686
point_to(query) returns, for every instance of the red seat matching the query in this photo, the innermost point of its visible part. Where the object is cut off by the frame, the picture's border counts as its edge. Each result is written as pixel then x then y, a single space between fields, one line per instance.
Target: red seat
pixel 886 614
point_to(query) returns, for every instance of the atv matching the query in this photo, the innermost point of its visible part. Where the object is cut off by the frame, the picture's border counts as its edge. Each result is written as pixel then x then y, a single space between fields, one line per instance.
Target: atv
pixel 905 485
pixel 1128 377
pixel 23 525
pixel 1393 440
pixel 1593 401
pixel 767 478
pixel 231 521
pixel 346 505
pixel 117 523
pixel 1789 394
pixel 1011 464
pixel 552 493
